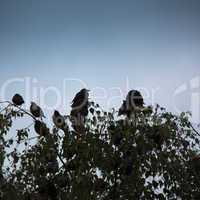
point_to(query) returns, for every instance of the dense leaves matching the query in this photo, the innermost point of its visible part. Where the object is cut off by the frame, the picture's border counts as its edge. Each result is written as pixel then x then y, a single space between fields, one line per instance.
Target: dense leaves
pixel 152 154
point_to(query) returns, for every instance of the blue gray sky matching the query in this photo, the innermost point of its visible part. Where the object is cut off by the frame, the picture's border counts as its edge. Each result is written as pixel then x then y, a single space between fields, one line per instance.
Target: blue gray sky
pixel 154 44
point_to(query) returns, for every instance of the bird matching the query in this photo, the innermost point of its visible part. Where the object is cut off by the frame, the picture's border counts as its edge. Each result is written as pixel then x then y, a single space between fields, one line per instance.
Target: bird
pixel 17 100
pixel 80 103
pixel 41 128
pixel 36 111
pixel 134 99
pixel 58 119
pixel 81 98
pixel 79 111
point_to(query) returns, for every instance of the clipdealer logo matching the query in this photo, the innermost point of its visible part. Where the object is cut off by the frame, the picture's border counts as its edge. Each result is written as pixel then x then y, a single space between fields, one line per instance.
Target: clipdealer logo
pixel 60 98
pixel 193 87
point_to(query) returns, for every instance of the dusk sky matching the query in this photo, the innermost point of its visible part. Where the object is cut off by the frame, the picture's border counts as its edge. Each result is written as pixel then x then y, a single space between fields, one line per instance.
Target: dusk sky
pixel 155 44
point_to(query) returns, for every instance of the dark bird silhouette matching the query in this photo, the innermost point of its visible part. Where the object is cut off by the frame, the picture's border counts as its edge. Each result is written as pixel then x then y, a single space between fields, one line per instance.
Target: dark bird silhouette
pixel 80 103
pixel 17 100
pixel 133 101
pixel 79 111
pixel 58 119
pixel 41 128
pixel 36 111
pixel 80 99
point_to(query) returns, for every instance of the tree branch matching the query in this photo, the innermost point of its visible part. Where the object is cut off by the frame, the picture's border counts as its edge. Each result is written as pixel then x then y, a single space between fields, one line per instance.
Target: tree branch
pixel 19 108
pixel 194 129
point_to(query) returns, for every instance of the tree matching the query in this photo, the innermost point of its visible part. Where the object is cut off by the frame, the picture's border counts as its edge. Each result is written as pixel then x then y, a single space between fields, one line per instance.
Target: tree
pixel 153 154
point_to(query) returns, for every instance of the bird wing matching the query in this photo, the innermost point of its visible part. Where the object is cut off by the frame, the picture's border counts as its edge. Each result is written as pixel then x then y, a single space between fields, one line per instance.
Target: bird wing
pixel 78 99
pixel 78 96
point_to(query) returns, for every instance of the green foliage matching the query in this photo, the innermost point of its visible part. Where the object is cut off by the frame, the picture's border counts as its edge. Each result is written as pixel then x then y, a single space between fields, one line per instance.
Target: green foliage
pixel 151 155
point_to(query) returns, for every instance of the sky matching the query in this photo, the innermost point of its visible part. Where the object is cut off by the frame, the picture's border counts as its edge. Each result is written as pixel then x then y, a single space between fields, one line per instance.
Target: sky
pixel 49 49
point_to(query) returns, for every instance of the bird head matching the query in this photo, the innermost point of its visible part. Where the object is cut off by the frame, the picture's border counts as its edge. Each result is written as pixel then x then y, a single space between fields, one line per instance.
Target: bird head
pixel 56 113
pixel 33 103
pixel 137 93
pixel 85 90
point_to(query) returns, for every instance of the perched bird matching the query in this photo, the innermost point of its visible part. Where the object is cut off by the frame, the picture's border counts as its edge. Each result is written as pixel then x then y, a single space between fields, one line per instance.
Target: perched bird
pixel 80 103
pixel 58 119
pixel 41 128
pixel 134 99
pixel 81 98
pixel 36 111
pixel 79 111
pixel 17 100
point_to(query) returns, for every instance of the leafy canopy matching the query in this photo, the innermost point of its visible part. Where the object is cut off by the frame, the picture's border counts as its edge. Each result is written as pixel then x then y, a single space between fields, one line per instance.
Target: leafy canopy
pixel 152 154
